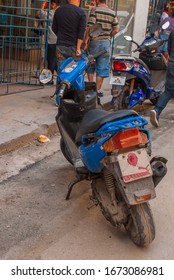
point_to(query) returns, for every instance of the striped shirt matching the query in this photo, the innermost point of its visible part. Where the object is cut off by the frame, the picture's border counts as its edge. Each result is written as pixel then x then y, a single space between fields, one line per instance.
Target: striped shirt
pixel 106 17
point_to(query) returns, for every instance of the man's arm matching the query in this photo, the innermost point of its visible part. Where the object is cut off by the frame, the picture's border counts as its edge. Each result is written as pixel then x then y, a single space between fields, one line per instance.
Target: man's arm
pixel 54 25
pixel 114 31
pixel 86 39
pixel 78 48
pixel 91 22
pixel 170 44
pixel 115 27
pixel 81 32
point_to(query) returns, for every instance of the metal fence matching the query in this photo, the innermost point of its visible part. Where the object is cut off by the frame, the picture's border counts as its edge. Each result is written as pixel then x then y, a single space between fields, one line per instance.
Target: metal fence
pixel 23 47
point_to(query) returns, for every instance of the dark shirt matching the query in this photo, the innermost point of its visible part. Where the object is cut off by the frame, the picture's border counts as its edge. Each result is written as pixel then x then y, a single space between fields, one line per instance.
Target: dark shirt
pixel 171 46
pixel 69 24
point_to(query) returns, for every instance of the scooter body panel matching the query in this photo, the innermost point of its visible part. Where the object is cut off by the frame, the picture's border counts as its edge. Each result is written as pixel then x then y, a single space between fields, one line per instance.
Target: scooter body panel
pixel 72 71
pixel 92 152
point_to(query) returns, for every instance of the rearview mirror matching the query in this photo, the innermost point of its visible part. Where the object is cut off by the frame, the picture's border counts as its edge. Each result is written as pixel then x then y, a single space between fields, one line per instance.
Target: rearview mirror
pixel 45 76
pixel 128 38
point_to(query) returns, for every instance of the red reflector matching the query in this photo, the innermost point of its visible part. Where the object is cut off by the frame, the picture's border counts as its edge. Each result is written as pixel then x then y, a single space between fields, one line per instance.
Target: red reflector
pixel 118 65
pixel 141 198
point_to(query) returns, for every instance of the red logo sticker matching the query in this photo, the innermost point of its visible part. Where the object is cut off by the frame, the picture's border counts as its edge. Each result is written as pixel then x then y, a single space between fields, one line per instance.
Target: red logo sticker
pixel 132 159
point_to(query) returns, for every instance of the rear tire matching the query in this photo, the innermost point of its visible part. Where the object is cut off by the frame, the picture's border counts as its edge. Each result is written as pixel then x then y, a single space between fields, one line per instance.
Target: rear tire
pixel 65 151
pixel 140 225
pixel 121 102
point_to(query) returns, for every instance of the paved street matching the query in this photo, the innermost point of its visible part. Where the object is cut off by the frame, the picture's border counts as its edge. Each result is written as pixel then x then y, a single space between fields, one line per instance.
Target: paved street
pixel 39 224
pixel 36 221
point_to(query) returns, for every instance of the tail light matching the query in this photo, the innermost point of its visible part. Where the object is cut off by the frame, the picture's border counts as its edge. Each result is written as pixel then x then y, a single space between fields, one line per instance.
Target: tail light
pixel 141 198
pixel 128 138
pixel 119 65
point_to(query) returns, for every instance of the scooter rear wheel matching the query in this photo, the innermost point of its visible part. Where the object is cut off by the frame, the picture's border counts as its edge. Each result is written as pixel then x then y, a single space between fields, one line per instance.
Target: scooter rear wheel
pixel 65 151
pixel 140 225
pixel 121 102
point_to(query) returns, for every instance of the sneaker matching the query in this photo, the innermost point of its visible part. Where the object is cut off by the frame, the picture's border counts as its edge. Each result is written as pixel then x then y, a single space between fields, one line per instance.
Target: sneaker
pixel 154 119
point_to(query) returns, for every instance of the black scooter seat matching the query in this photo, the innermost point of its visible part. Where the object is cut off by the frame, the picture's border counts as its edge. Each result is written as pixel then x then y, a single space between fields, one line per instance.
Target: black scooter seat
pixel 95 118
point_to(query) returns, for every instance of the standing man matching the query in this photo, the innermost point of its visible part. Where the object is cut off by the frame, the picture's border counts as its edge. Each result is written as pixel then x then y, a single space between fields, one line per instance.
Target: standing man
pixel 52 38
pixel 106 17
pixel 165 33
pixel 165 12
pixel 169 86
pixel 69 25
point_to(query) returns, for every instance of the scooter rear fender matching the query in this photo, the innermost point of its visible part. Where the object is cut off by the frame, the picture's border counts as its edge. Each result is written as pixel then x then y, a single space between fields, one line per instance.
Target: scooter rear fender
pixel 135 192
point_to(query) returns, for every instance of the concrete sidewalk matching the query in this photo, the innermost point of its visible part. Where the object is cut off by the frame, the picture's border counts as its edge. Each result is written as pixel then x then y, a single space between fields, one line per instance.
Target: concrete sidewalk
pixel 24 116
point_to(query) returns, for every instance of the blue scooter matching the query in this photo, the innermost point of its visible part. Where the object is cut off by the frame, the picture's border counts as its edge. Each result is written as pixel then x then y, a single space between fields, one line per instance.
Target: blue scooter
pixel 135 80
pixel 109 149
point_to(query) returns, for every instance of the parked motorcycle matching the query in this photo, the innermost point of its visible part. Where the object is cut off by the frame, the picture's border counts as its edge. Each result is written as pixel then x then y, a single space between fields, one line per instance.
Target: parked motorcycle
pixel 110 149
pixel 135 80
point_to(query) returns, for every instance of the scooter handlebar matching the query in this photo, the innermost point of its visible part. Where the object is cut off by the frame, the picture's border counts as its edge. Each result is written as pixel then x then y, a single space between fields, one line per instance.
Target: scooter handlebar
pixel 139 49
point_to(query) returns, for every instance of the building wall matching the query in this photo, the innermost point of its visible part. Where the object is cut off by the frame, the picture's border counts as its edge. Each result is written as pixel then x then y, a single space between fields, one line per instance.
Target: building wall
pixel 140 20
pixel 132 16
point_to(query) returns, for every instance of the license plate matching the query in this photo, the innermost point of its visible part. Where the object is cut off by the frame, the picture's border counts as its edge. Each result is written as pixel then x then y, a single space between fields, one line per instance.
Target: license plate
pixel 134 165
pixel 118 80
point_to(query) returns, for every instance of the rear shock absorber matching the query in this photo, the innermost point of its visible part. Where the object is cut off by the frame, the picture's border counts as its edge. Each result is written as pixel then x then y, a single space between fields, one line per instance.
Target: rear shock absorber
pixel 110 186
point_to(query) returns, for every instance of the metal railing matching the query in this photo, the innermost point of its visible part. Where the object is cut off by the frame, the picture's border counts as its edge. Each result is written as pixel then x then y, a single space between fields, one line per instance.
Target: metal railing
pixel 22 50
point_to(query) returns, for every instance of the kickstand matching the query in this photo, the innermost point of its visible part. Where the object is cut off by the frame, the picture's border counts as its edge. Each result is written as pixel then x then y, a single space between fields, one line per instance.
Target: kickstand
pixel 70 187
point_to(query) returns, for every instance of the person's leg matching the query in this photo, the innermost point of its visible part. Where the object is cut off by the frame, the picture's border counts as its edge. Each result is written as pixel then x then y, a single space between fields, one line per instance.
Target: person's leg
pixel 91 69
pixel 166 55
pixel 42 56
pixel 59 56
pixel 99 82
pixel 161 104
pixel 165 97
pixel 62 53
pixel 163 100
pixel 59 59
pixel 90 77
pixel 102 64
pixel 51 57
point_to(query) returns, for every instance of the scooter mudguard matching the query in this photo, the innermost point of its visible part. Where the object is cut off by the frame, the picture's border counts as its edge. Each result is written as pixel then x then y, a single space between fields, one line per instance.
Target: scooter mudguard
pixel 136 97
pixel 141 72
